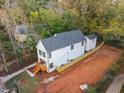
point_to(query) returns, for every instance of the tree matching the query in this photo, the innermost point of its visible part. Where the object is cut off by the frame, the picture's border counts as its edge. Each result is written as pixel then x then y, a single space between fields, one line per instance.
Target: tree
pixel 9 23
pixel 2 2
pixel 2 54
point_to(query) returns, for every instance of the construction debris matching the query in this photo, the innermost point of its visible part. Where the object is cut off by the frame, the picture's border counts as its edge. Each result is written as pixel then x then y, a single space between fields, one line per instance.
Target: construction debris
pixel 83 87
pixel 50 79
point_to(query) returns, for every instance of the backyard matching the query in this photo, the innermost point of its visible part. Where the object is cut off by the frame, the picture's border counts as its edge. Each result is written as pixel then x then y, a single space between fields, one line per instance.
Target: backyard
pixel 90 72
pixel 38 20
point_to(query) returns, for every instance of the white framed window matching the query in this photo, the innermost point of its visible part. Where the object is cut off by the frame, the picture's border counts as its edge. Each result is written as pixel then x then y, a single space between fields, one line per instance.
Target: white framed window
pixel 41 60
pixel 42 53
pixel 51 65
pixel 50 55
pixel 82 43
pixel 72 47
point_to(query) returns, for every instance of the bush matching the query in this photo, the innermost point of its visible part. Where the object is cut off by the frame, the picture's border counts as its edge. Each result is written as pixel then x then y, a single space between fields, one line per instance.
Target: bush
pixel 108 76
pixel 121 59
pixel 91 90
pixel 116 43
pixel 113 70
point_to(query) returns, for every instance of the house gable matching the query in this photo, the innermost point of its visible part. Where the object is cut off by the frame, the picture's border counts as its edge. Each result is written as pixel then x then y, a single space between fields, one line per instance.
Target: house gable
pixel 41 46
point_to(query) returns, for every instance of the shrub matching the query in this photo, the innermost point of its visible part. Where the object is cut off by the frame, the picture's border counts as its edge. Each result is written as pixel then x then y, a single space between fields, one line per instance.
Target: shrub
pixel 91 90
pixel 121 59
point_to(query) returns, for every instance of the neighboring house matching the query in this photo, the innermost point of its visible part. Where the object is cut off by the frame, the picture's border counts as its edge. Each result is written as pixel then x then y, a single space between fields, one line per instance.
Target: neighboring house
pixel 60 49
pixel 20 33
pixel 90 42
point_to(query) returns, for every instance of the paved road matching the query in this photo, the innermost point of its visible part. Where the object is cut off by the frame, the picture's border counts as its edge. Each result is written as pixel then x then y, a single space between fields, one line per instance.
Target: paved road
pixel 116 85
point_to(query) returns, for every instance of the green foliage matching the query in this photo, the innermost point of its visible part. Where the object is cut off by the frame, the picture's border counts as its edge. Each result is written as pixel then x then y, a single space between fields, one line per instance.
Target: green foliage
pixel 99 16
pixel 121 59
pixel 26 88
pixel 2 2
pixel 107 78
pixel 4 38
pixel 91 90
pixel 113 70
pixel 122 90
pixel 116 43
pixel 92 16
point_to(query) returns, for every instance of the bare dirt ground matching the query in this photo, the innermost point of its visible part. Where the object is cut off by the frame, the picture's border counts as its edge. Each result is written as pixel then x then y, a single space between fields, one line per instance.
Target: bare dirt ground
pixel 14 68
pixel 89 72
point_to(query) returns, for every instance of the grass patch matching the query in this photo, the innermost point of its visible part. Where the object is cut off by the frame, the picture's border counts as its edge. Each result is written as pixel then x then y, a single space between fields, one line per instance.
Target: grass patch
pixel 22 82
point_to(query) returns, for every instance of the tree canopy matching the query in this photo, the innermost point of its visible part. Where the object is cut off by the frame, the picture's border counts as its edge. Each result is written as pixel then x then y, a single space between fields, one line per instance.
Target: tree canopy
pixel 47 17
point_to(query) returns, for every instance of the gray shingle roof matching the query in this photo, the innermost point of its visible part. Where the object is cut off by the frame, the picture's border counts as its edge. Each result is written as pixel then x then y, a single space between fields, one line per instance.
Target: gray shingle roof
pixel 91 36
pixel 62 40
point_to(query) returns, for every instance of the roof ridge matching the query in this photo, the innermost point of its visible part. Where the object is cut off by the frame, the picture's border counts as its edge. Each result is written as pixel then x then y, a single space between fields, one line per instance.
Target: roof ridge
pixel 62 40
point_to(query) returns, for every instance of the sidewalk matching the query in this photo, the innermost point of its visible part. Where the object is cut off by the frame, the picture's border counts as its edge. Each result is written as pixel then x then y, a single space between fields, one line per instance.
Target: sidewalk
pixel 116 85
pixel 6 78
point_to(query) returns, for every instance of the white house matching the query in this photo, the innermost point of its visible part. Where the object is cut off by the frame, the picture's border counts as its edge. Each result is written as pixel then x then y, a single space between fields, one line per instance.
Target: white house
pixel 90 42
pixel 60 49
pixel 21 31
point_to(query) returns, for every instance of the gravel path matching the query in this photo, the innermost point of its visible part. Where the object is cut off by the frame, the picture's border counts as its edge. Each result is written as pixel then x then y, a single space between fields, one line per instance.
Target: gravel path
pixel 116 85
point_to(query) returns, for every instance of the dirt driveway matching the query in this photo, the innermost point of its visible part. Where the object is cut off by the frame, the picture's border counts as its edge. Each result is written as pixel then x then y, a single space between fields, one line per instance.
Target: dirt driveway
pixel 89 72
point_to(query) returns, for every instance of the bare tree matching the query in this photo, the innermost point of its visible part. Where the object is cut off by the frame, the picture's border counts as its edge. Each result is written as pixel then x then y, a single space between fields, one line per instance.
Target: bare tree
pixel 2 54
pixel 9 23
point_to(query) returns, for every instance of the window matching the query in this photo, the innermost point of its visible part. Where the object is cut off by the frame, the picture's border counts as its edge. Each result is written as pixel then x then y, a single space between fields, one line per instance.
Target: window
pixel 43 62
pixel 72 47
pixel 82 43
pixel 51 65
pixel 85 41
pixel 50 55
pixel 42 53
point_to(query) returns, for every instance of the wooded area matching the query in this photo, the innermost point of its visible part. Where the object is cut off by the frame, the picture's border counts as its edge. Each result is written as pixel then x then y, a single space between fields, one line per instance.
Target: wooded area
pixel 44 18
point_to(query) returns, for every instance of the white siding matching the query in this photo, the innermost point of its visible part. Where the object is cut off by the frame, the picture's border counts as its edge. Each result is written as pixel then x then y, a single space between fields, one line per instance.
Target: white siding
pixel 41 47
pixel 64 55
pixel 90 44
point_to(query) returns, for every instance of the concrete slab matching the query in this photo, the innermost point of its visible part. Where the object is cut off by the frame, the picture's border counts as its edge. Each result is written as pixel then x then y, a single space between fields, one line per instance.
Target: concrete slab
pixel 116 85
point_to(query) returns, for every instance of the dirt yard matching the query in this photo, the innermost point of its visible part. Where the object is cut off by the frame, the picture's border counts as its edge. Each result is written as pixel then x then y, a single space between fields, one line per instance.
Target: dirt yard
pixel 89 71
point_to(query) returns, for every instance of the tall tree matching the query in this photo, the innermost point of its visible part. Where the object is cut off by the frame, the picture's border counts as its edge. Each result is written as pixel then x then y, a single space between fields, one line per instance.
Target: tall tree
pixel 2 54
pixel 9 22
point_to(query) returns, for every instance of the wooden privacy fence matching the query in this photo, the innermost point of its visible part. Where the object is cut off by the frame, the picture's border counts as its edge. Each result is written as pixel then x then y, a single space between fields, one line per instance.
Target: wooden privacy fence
pixel 62 68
